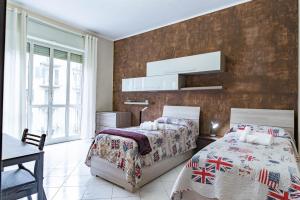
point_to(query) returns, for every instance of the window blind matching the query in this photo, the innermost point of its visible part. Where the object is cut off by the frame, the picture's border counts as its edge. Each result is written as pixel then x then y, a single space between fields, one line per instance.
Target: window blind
pixel 76 58
pixel 38 29
pixel 60 54
pixel 41 50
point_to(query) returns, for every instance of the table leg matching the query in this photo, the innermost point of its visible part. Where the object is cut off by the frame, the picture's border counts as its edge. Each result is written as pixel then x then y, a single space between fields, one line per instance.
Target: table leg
pixel 40 177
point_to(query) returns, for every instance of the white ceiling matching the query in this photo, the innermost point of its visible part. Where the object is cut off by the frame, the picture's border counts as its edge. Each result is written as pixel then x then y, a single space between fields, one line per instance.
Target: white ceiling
pixel 116 19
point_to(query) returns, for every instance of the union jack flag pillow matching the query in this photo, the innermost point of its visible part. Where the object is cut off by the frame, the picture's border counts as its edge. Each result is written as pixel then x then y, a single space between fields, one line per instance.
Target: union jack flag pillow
pixel 241 127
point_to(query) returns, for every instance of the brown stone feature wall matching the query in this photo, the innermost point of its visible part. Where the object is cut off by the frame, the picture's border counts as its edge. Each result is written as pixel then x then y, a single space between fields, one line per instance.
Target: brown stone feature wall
pixel 260 42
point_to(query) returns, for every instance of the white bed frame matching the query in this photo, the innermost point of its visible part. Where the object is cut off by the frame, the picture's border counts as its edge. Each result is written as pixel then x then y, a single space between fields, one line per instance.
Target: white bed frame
pixel 106 170
pixel 264 117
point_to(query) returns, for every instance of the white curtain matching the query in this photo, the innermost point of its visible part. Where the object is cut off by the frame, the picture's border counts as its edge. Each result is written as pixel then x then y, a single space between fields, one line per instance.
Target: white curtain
pixel 89 88
pixel 14 105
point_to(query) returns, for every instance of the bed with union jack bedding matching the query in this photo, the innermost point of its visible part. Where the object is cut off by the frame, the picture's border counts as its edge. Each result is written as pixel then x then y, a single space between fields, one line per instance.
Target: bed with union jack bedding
pixel 232 170
pixel 173 137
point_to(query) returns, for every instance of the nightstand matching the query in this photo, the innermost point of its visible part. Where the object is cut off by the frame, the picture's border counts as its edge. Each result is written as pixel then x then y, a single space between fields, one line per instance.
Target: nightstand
pixel 105 120
pixel 204 140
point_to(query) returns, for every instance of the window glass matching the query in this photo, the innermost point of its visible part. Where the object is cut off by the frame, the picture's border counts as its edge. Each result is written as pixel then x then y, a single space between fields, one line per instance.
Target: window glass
pixel 60 65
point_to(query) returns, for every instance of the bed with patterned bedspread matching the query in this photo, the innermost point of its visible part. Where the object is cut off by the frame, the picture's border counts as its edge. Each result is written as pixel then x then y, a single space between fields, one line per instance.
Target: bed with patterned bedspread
pixel 173 137
pixel 232 170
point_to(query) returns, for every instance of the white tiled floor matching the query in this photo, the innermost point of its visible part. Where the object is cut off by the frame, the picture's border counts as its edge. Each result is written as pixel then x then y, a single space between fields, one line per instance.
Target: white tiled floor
pixel 67 178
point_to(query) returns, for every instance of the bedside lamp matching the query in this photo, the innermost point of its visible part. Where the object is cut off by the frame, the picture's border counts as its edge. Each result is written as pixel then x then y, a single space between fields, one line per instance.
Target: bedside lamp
pixel 141 114
pixel 213 127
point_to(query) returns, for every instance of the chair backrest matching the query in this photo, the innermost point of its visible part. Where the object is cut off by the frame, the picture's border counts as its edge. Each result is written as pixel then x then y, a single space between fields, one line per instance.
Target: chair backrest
pixel 37 140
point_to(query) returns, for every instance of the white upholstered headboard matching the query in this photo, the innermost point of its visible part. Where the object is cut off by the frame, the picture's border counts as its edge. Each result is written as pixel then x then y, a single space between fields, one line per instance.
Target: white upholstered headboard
pixel 183 112
pixel 266 117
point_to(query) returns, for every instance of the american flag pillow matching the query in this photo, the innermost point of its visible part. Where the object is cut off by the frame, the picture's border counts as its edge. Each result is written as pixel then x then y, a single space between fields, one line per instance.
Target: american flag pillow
pixel 274 131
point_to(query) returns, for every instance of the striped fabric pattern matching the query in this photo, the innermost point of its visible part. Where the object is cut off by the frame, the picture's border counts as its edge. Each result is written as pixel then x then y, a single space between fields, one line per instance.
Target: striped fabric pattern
pixel 270 179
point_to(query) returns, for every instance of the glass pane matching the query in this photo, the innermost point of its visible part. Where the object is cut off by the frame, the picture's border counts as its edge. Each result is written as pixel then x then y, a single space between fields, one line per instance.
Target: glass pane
pixel 41 50
pixel 75 83
pixel 39 120
pixel 40 80
pixel 59 81
pixel 27 71
pixel 27 86
pixel 76 58
pixel 74 121
pixel 60 54
pixel 58 122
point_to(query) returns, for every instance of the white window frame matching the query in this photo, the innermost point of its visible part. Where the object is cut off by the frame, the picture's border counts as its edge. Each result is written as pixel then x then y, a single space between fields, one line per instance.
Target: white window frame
pixel 67 106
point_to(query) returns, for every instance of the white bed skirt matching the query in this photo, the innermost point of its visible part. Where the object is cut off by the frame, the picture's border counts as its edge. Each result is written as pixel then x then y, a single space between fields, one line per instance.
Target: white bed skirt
pixel 191 195
pixel 108 171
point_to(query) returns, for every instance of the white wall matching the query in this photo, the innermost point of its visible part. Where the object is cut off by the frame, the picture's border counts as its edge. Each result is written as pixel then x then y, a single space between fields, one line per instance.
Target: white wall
pixel 105 75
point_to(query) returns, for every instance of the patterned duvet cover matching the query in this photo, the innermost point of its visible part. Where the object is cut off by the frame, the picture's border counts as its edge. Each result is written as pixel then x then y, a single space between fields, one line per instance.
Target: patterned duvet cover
pixel 173 137
pixel 230 169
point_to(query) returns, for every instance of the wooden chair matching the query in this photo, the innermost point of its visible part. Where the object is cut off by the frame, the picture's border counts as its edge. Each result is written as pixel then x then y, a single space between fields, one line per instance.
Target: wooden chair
pixel 34 139
pixel 22 182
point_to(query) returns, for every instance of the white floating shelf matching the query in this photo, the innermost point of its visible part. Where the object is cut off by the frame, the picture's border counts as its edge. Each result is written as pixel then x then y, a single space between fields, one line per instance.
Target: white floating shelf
pixel 218 87
pixel 146 102
pixel 168 75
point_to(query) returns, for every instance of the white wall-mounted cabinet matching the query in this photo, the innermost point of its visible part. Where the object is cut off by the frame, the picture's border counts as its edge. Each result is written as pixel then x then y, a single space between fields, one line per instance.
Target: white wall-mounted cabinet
pixel 167 75
pixel 202 63
pixel 152 83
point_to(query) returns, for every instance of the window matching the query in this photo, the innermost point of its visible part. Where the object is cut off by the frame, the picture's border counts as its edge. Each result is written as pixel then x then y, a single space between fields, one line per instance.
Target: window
pixel 54 91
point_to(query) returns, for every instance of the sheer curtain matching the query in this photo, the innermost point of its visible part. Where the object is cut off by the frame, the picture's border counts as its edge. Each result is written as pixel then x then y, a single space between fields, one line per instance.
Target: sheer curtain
pixel 14 102
pixel 89 88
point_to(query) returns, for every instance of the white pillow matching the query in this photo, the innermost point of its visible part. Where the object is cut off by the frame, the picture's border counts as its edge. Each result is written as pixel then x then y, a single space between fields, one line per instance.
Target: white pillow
pixel 274 131
pixel 257 129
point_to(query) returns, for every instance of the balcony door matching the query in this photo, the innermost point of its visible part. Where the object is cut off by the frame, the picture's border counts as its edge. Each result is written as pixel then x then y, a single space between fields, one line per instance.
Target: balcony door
pixel 54 92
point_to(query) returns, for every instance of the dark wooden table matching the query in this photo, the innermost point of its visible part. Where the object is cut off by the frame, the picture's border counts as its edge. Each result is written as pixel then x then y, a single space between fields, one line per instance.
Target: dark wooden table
pixel 16 152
